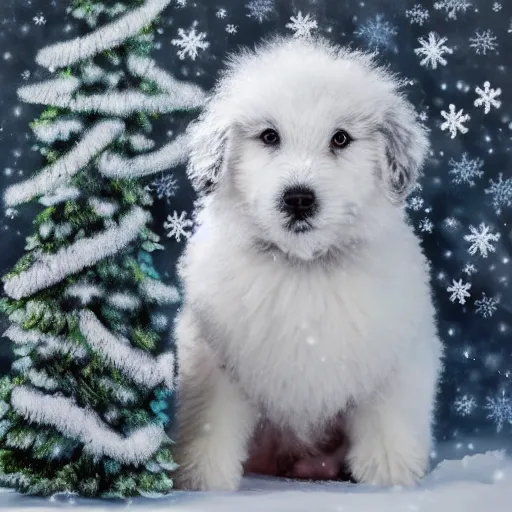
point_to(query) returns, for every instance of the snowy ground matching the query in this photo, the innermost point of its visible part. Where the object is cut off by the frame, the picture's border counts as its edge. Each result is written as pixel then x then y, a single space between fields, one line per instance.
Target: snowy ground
pixel 477 483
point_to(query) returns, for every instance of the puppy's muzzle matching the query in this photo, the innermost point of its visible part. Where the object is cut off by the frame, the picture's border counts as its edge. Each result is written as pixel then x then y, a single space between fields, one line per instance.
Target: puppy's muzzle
pixel 299 204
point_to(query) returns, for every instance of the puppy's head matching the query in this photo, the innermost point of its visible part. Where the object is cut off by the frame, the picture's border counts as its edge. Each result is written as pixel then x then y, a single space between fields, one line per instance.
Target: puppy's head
pixel 307 139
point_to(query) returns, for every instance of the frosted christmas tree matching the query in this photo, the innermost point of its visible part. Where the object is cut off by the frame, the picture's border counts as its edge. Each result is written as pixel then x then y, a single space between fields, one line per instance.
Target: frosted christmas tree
pixel 84 409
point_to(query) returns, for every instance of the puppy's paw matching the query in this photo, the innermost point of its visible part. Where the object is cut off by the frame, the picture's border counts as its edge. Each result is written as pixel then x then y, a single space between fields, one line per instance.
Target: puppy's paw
pixel 386 462
pixel 202 471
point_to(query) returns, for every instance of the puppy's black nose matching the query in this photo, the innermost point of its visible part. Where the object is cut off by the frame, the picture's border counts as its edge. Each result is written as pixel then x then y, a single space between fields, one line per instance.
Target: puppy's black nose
pixel 299 202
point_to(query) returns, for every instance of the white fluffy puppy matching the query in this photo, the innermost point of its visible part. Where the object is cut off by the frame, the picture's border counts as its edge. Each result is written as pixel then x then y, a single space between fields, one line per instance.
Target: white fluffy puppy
pixel 306 291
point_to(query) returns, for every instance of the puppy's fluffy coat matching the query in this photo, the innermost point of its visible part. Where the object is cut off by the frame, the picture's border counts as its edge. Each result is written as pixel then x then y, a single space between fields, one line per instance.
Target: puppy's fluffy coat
pixel 296 326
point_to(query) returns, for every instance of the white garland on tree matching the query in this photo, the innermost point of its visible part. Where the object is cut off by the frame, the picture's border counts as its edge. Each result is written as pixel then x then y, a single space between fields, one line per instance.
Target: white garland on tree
pixel 84 424
pixel 51 269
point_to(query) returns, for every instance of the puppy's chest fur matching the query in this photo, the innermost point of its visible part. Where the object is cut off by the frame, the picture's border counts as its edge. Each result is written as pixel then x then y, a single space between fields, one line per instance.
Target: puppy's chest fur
pixel 301 342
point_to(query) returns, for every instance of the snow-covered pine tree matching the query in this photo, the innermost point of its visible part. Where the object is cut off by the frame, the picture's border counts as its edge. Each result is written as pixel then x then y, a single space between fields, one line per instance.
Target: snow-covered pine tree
pixel 84 408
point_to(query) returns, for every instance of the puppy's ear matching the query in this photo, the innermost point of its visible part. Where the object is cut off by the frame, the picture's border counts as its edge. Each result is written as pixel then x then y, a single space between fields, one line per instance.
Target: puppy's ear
pixel 207 141
pixel 405 149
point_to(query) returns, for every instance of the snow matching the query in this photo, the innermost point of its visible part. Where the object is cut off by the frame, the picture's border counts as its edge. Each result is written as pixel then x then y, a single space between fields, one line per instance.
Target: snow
pixel 481 240
pixel 501 192
pixel 433 50
pixel 190 43
pixel 487 97
pixel 302 26
pixel 480 482
pixel 454 121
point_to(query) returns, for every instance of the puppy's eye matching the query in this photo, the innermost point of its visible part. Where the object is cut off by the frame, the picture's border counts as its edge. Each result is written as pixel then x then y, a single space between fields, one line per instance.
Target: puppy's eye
pixel 341 139
pixel 270 137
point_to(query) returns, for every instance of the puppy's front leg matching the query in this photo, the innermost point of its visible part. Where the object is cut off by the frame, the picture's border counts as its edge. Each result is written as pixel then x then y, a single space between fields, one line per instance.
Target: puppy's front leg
pixel 390 435
pixel 215 422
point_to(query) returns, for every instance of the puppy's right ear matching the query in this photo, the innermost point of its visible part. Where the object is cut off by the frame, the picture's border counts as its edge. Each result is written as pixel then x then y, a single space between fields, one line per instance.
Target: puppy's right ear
pixel 208 140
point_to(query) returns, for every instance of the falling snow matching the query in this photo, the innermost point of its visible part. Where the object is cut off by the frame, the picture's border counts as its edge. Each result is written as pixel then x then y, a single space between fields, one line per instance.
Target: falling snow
pixel 496 7
pixel 469 269
pixel 500 410
pixel 466 170
pixel 433 50
pixel 454 121
pixel 501 192
pixel 416 203
pixel 481 240
pixel 221 14
pixel 459 291
pixel 418 14
pixel 452 7
pixel 486 306
pixel 483 42
pixel 231 29
pixel 488 97
pixel 465 405
pixel 260 10
pixel 177 226
pixel 377 33
pixel 39 20
pixel 190 43
pixel 164 187
pixel 302 26
pixel 426 225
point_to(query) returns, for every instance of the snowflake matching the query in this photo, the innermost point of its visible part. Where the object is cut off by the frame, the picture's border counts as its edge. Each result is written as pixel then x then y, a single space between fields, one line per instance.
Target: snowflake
pixel 465 405
pixel 426 225
pixel 486 306
pixel 501 191
pixel 302 25
pixel 452 7
pixel 500 410
pixel 433 50
pixel 416 203
pixel 483 42
pixel 165 187
pixel 417 15
pixel 469 269
pixel 422 116
pixel 496 7
pixel 459 291
pixel 190 43
pixel 260 9
pixel 466 170
pixel 177 226
pixel 451 222
pixel 181 3
pixel 454 121
pixel 481 240
pixel 221 14
pixel 488 97
pixel 377 33
pixel 39 19
pixel 10 213
pixel 231 29
pixel 25 75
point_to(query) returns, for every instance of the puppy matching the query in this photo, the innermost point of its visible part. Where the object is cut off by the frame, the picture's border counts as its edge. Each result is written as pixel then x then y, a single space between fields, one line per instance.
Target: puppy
pixel 306 292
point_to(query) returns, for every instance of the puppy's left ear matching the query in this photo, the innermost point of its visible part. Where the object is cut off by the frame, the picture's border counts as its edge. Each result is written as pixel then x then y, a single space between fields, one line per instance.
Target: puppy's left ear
pixel 405 149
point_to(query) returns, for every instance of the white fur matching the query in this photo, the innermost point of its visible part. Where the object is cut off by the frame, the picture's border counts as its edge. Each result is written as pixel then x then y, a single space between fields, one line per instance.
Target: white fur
pixel 300 327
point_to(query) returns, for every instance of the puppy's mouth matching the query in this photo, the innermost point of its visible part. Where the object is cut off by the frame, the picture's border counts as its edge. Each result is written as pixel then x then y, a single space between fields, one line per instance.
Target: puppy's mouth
pixel 299 226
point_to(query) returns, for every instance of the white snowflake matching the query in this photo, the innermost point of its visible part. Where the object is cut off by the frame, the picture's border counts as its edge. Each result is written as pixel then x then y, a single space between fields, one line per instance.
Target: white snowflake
pixel 452 7
pixel 433 50
pixel 260 9
pixel 426 225
pixel 488 97
pixel 459 291
pixel 481 240
pixel 486 306
pixel 483 42
pixel 377 33
pixel 10 213
pixel 39 19
pixel 181 3
pixel 164 187
pixel 231 29
pixel 466 170
pixel 465 405
pixel 221 14
pixel 418 14
pixel 500 410
pixel 190 43
pixel 302 25
pixel 469 269
pixel 451 222
pixel 25 75
pixel 415 203
pixel 501 191
pixel 496 7
pixel 176 226
pixel 454 121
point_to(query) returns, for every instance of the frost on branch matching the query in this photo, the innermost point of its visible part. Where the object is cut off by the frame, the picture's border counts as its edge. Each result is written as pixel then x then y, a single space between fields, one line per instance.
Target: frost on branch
pixel 50 269
pixel 58 174
pixel 111 35
pixel 84 424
